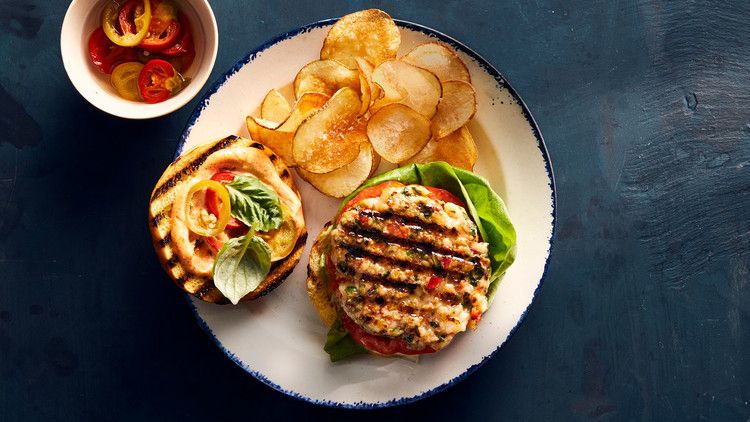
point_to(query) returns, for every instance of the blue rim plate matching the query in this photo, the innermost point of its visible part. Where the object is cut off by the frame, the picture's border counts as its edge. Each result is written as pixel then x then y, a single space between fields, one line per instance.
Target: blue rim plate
pixel 544 190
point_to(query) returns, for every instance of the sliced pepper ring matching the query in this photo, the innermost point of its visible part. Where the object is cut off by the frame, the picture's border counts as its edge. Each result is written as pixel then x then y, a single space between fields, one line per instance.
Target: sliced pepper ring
pixel 283 239
pixel 111 21
pixel 200 227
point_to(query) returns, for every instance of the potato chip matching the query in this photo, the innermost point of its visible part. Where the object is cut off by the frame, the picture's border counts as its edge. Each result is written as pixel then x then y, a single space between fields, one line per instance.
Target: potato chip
pixel 456 108
pixel 279 137
pixel 279 141
pixel 307 105
pixel 375 163
pixel 412 86
pixel 397 132
pixel 370 91
pixel 370 34
pixel 330 138
pixel 457 149
pixel 345 180
pixel 325 76
pixel 440 60
pixel 275 107
pixel 257 124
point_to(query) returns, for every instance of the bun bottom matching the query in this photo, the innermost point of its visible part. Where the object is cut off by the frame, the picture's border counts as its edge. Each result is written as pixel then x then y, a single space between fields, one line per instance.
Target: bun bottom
pixel 182 171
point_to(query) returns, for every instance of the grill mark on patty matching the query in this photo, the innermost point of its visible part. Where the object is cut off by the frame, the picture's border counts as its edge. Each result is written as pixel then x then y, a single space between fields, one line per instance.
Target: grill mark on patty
pixel 420 275
pixel 191 167
pixel 407 221
pixel 380 236
pixel 425 257
pixel 370 295
pixel 359 252
pixel 401 287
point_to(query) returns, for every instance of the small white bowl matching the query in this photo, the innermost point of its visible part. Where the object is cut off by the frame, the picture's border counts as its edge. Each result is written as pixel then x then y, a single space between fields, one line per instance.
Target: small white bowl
pixel 83 17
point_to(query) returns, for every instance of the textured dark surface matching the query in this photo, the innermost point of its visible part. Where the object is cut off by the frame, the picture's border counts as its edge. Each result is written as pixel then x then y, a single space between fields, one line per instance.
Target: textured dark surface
pixel 645 314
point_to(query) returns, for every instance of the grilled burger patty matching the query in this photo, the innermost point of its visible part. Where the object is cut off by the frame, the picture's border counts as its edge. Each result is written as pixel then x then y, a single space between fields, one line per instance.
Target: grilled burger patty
pixel 410 267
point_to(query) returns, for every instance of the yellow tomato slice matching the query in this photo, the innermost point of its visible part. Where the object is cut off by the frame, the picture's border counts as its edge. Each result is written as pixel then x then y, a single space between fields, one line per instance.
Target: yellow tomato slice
pixel 283 239
pixel 110 22
pixel 125 80
pixel 200 221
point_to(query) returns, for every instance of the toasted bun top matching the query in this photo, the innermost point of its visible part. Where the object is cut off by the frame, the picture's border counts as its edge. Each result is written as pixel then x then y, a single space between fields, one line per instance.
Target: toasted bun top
pixel 201 163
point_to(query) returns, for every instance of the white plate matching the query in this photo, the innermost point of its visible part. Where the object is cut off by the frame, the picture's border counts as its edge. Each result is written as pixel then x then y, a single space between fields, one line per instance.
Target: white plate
pixel 279 338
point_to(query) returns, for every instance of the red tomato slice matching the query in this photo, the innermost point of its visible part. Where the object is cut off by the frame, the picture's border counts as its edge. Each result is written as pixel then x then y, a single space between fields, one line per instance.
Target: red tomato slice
pixel 214 243
pixel 212 202
pixel 371 192
pixel 185 43
pixel 379 344
pixel 156 81
pixel 164 29
pixel 444 195
pixel 375 191
pixel 160 36
pixel 126 17
pixel 105 54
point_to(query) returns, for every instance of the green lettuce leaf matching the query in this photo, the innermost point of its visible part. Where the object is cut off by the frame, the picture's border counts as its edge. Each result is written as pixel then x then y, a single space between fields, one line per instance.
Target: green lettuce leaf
pixel 254 203
pixel 241 265
pixel 339 344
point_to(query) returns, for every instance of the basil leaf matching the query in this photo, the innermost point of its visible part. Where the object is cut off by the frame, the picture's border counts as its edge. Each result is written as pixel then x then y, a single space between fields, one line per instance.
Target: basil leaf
pixel 241 265
pixel 339 344
pixel 254 203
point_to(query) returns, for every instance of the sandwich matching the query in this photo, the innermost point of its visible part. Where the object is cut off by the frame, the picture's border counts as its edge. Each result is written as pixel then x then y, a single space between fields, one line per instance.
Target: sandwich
pixel 411 259
pixel 226 221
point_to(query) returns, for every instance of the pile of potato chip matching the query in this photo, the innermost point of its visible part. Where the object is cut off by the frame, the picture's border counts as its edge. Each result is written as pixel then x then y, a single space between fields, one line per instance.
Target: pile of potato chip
pixel 359 103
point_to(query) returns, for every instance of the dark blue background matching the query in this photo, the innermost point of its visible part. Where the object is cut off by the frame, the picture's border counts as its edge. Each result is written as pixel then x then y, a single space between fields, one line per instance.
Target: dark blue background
pixel 645 312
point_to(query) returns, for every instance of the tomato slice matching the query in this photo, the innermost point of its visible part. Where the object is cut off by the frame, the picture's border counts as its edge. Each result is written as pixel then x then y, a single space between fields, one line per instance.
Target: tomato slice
pixel 127 15
pixel 185 43
pixel 105 54
pixel 379 344
pixel 125 80
pixel 377 190
pixel 371 192
pixel 113 18
pixel 444 195
pixel 157 81
pixel 212 202
pixel 164 29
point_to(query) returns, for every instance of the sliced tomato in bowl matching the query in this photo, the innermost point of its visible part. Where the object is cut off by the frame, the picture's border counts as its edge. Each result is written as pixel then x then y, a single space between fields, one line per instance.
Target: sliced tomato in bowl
pixel 125 80
pixel 164 29
pixel 105 54
pixel 127 15
pixel 185 43
pixel 158 80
